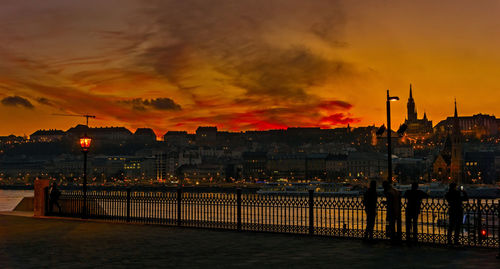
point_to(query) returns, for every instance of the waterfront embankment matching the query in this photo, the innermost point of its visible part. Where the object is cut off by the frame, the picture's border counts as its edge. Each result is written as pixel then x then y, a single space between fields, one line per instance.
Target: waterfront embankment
pixel 54 243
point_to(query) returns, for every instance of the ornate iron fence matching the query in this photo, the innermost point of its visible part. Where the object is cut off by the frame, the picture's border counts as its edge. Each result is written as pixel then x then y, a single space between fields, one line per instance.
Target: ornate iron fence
pixel 310 213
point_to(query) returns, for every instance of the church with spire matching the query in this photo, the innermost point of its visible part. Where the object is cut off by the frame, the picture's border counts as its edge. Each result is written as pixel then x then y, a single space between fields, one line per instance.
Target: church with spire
pixel 457 152
pixel 449 164
pixel 417 128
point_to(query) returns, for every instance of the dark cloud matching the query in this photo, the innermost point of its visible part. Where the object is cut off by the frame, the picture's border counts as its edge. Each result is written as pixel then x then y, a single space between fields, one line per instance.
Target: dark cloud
pixel 284 73
pixel 44 101
pixel 335 104
pixel 17 101
pixel 156 103
pixel 163 104
pixel 228 38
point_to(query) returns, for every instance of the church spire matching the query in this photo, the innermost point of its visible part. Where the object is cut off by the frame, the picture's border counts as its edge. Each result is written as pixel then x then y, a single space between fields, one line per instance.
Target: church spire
pixel 457 159
pixel 456 121
pixel 412 112
pixel 425 115
pixel 456 113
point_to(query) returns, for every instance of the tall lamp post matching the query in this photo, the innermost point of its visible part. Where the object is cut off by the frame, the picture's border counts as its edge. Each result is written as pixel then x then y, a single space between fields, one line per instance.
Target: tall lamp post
pixel 389 137
pixel 85 145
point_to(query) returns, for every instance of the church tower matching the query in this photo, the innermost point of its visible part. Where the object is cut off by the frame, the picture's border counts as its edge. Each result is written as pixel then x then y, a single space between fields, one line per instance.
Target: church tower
pixel 412 112
pixel 457 157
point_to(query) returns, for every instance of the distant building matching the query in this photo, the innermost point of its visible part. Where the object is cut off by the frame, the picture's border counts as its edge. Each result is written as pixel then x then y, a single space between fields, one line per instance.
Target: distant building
pixel 449 164
pixel 479 167
pixel 316 166
pixel 47 135
pixel 176 138
pixel 109 166
pixel 442 163
pixel 478 125
pixel 11 139
pixel 139 168
pixel 369 165
pixel 206 136
pixel 336 166
pixel 145 135
pixel 18 167
pixel 115 134
pixel 168 162
pixel 404 151
pixel 409 170
pixel 254 165
pixel 70 166
pixel 417 128
pixel 202 172
pixel 287 166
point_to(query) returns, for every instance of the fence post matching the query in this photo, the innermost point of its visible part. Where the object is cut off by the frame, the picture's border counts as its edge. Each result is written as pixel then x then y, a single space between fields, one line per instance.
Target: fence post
pixel 479 220
pixel 128 204
pixel 498 234
pixel 179 211
pixel 311 212
pixel 238 209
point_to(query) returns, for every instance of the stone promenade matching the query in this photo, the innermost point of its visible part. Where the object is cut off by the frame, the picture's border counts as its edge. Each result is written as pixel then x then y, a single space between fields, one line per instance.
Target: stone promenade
pixel 27 242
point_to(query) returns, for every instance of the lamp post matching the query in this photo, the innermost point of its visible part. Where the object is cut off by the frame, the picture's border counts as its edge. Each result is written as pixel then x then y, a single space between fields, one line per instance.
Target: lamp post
pixel 389 138
pixel 85 145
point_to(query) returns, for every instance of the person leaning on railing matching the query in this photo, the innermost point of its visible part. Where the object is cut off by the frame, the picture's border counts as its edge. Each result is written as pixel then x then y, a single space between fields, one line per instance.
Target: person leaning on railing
pixel 370 203
pixel 393 217
pixel 455 198
pixel 414 198
pixel 54 195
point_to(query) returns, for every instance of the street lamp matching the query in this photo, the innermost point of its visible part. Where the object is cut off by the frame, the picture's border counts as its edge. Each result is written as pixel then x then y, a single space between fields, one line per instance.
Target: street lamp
pixel 85 145
pixel 389 150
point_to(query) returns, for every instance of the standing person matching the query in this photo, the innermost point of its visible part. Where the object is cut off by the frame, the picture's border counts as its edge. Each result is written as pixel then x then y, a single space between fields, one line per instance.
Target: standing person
pixel 414 199
pixel 455 198
pixel 393 217
pixel 54 197
pixel 370 203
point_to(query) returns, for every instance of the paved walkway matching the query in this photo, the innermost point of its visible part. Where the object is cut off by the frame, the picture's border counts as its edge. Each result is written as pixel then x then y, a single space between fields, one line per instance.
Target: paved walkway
pixel 27 242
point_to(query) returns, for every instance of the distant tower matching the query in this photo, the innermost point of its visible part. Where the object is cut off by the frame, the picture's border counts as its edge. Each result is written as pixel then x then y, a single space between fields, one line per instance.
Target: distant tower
pixel 412 112
pixel 457 157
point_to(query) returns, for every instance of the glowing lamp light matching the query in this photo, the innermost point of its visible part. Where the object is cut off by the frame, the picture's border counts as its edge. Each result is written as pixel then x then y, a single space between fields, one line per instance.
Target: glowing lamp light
pixel 85 142
pixel 483 232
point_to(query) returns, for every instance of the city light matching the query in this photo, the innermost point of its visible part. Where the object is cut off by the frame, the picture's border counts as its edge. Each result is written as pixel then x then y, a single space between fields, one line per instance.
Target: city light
pixel 85 142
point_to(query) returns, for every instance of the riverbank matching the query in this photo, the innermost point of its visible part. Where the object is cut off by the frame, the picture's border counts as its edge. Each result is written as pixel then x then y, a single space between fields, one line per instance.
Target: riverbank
pixel 53 243
pixel 9 199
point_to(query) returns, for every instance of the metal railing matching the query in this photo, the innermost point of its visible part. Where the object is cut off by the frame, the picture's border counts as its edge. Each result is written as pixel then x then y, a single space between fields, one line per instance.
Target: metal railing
pixel 310 213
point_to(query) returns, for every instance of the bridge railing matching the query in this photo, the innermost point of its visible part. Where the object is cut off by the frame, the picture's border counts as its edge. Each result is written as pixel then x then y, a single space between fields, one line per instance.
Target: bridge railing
pixel 308 213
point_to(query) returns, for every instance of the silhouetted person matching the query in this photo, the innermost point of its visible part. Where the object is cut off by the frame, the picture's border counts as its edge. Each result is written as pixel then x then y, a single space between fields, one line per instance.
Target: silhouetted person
pixel 370 203
pixel 393 216
pixel 54 197
pixel 455 198
pixel 414 199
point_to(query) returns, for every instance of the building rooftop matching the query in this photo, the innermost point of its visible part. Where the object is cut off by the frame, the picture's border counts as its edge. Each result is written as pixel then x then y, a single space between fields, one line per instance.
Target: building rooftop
pixel 48 132
pixel 145 132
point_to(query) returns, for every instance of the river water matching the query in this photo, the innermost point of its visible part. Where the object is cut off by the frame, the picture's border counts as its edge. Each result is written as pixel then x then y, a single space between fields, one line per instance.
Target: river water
pixel 10 198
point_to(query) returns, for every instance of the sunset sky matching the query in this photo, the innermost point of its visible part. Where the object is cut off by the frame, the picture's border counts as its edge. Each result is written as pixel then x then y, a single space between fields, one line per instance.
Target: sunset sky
pixel 245 64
